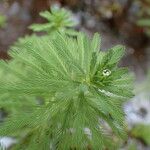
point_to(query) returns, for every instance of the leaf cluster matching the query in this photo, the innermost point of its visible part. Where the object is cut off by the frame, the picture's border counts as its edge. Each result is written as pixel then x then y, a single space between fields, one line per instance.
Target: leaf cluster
pixel 64 91
pixel 59 20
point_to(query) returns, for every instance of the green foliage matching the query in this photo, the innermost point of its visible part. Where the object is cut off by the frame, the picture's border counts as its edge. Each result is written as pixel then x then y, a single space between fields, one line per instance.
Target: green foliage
pixel 144 15
pixel 144 87
pixel 1 148
pixel 81 88
pixel 132 146
pixel 145 23
pixel 142 132
pixel 2 21
pixel 59 20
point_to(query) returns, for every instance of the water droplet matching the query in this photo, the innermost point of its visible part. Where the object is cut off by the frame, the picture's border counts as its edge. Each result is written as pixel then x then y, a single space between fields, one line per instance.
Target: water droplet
pixel 106 72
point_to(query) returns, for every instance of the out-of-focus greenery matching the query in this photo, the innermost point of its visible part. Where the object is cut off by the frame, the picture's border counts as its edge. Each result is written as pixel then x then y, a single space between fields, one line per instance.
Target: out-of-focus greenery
pixel 142 132
pixel 144 87
pixel 1 148
pixel 145 23
pixel 144 15
pixel 132 146
pixel 2 21
pixel 109 9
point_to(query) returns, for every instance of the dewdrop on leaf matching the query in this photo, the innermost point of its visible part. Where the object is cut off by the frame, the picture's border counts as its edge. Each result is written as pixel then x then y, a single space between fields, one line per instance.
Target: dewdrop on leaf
pixel 106 72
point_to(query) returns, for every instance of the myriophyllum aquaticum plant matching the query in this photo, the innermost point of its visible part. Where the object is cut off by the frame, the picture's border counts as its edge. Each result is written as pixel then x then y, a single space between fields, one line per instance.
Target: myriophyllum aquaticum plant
pixel 59 20
pixel 80 89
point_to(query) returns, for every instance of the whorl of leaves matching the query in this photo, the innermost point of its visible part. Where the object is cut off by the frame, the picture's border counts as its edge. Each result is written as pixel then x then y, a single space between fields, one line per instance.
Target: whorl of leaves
pixel 59 20
pixel 81 88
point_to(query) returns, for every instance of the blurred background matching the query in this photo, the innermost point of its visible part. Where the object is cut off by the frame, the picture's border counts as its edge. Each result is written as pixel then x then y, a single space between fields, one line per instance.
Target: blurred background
pixel 124 22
